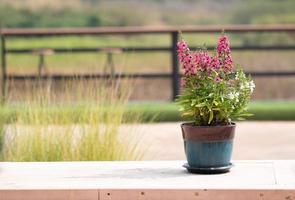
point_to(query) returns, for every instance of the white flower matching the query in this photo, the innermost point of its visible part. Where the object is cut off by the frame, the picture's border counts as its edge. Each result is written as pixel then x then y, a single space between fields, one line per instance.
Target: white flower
pixel 251 85
pixel 231 96
pixel 237 76
pixel 237 94
pixel 248 85
pixel 234 95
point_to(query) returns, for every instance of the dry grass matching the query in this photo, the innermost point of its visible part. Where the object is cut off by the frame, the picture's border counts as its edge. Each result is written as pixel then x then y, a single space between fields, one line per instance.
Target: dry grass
pixel 38 134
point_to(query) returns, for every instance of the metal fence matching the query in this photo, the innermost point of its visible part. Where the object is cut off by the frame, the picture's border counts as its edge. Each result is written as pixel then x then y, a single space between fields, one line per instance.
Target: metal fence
pixel 172 31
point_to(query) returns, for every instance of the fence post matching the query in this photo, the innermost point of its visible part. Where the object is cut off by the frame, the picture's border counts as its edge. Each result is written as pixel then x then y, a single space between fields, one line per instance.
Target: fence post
pixel 3 67
pixel 175 66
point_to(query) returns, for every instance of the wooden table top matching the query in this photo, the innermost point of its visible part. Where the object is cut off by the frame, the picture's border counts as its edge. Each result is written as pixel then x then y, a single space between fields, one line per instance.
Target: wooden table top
pixel 144 180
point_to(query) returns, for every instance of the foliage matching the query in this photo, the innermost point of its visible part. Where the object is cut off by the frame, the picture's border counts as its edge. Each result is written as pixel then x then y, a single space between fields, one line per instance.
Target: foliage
pixel 77 13
pixel 67 17
pixel 214 93
pixel 264 12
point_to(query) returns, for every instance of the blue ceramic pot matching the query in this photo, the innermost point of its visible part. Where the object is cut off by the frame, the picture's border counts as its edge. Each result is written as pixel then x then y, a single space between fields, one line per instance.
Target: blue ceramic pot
pixel 208 146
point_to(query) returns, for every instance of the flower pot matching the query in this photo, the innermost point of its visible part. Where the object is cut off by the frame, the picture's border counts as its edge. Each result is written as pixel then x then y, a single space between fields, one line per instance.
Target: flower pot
pixel 208 148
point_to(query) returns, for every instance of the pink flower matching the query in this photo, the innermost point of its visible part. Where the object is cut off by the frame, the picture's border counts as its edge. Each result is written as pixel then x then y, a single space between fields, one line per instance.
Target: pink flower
pixel 205 62
pixel 224 54
pixel 185 58
pixel 215 63
pixel 217 79
pixel 183 82
pixel 202 61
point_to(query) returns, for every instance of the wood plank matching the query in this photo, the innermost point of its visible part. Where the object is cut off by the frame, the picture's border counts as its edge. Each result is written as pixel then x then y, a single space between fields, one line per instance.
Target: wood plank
pixel 124 175
pixel 49 194
pixel 27 32
pixel 144 180
pixel 205 194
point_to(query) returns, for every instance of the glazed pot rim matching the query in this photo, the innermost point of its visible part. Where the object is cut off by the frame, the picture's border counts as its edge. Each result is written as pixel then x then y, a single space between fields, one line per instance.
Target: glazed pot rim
pixel 208 133
pixel 191 124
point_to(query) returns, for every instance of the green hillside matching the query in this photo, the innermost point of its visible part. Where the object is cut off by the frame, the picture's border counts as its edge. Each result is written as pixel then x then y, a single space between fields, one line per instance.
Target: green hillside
pixel 78 13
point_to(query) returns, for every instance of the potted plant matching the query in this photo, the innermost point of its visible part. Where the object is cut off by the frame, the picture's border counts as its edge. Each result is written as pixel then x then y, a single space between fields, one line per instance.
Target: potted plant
pixel 215 93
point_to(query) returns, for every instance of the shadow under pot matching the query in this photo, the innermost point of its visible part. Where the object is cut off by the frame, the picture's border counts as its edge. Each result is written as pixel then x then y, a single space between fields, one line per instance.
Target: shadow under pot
pixel 208 149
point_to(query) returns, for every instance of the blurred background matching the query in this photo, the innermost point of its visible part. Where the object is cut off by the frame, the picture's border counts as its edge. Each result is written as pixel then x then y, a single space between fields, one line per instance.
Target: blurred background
pixel 85 13
pixel 42 67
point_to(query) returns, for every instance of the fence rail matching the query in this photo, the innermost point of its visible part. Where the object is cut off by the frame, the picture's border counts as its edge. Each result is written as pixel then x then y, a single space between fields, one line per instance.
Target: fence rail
pixel 145 49
pixel 172 31
pixel 134 75
pixel 21 32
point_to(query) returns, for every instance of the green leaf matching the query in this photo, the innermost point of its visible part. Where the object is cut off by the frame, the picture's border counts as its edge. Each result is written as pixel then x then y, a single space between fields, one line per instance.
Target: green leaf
pixel 193 102
pixel 200 105
pixel 210 117
pixel 215 103
pixel 211 95
pixel 187 114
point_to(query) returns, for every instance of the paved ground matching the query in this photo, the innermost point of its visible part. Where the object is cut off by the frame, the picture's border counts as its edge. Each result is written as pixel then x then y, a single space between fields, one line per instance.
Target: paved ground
pixel 254 140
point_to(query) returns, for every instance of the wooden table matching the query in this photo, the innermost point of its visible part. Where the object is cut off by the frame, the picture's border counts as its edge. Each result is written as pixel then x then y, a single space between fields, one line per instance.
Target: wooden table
pixel 145 180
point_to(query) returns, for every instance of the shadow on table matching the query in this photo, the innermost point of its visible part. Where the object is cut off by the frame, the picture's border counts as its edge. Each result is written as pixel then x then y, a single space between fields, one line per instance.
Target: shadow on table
pixel 142 173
